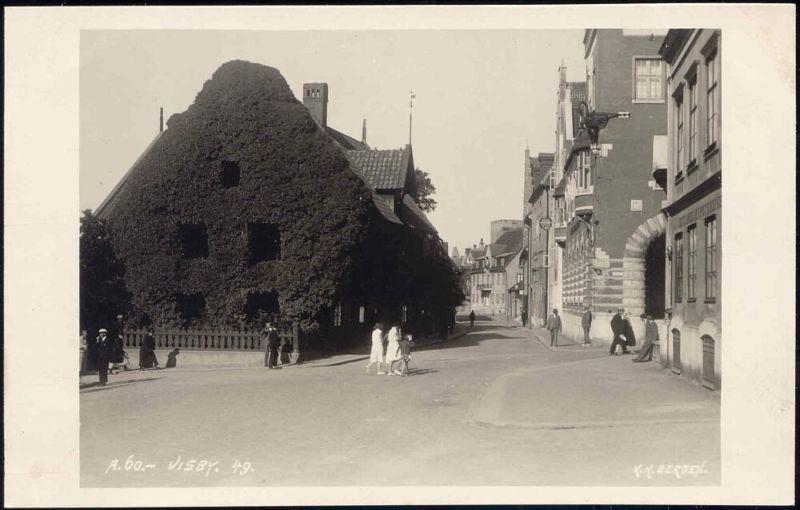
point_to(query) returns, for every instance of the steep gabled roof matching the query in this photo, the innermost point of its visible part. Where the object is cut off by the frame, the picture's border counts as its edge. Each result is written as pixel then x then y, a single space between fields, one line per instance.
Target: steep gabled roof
pixel 381 169
pixel 347 143
pixel 510 243
pixel 416 216
pixel 106 205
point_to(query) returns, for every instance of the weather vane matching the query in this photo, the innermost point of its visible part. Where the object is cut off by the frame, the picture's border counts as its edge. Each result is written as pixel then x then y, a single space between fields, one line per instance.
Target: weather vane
pixel 410 111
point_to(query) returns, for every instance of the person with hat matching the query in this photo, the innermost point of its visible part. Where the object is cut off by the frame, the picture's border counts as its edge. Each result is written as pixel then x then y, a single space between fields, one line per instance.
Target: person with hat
pixel 273 341
pixel 650 339
pixel 102 348
pixel 618 327
pixel 586 325
pixel 554 327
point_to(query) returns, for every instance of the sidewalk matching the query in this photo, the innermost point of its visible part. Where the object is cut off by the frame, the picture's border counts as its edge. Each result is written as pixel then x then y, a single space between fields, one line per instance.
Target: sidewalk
pixel 596 391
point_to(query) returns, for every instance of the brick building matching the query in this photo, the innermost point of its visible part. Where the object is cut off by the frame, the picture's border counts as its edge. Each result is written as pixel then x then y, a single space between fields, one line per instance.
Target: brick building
pixel 608 222
pixel 693 179
pixel 494 273
pixel 539 242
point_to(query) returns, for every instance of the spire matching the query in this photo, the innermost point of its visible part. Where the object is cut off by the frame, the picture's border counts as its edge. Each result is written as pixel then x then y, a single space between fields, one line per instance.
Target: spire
pixel 410 110
pixel 161 120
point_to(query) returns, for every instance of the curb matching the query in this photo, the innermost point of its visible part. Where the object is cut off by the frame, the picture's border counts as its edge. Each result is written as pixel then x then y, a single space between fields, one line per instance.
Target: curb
pixel 586 425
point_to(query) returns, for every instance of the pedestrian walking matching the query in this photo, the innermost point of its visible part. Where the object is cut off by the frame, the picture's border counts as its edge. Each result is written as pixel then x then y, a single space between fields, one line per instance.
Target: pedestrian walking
pixel 376 352
pixel 618 330
pixel 554 326
pixel 393 350
pixel 271 345
pixel 471 318
pixel 586 324
pixel 147 351
pixel 650 339
pixel 406 342
pixel 102 348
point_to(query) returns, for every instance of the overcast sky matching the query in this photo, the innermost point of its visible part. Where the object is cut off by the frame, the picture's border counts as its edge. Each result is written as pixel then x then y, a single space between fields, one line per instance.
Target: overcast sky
pixel 480 96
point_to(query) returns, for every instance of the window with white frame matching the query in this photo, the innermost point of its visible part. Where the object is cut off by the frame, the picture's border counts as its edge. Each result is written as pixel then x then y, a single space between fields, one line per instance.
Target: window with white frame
pixel 692 120
pixel 711 258
pixel 679 132
pixel 691 275
pixel 649 79
pixel 711 99
pixel 361 314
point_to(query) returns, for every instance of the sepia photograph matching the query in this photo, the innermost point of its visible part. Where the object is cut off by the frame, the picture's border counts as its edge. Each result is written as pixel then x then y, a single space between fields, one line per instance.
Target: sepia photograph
pixel 404 257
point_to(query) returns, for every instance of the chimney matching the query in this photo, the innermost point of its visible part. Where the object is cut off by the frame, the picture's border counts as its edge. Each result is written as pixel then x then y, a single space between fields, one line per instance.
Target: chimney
pixel 315 99
pixel 161 121
pixel 364 132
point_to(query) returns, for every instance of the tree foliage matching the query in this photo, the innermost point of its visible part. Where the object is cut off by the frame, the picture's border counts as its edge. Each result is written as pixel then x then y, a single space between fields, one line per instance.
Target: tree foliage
pixel 292 177
pixel 424 191
pixel 103 293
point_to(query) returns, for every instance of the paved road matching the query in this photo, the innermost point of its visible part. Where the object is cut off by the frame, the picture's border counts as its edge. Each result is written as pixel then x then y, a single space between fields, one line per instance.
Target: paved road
pixel 495 407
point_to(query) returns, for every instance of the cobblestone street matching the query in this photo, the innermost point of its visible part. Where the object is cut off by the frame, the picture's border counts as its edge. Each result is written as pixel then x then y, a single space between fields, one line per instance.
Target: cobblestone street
pixel 494 407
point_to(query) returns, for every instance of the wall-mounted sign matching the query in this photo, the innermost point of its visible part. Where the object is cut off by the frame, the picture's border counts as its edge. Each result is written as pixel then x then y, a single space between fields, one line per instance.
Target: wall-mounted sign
pixel 636 205
pixel 545 223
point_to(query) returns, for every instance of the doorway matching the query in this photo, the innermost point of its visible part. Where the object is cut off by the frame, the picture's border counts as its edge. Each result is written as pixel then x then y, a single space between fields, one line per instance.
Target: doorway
pixel 654 265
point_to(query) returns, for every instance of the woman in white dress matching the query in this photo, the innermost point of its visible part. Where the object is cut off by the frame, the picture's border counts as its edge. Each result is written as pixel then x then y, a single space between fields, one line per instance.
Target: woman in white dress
pixel 376 353
pixel 393 350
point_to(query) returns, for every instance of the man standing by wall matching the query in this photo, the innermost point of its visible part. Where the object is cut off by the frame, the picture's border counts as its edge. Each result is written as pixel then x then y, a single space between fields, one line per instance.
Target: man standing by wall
pixel 554 326
pixel 586 324
pixel 618 329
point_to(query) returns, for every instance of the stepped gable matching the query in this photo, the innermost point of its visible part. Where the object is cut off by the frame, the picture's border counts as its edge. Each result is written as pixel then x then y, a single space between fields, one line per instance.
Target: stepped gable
pixel 291 176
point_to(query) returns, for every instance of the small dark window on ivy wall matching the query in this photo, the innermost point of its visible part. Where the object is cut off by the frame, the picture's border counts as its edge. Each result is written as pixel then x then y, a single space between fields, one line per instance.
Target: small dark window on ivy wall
pixel 264 240
pixel 194 240
pixel 191 307
pixel 262 305
pixel 230 173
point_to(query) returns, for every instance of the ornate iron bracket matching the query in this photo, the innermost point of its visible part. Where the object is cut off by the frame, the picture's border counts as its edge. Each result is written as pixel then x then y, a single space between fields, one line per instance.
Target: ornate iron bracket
pixel 593 122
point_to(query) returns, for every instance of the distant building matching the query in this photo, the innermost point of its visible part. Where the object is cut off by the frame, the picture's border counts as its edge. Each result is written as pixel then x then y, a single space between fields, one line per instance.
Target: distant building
pixel 494 273
pixel 693 179
pixel 499 227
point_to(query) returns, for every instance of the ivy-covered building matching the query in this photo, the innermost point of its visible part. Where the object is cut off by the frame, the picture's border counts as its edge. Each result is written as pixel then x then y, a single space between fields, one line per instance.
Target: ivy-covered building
pixel 248 209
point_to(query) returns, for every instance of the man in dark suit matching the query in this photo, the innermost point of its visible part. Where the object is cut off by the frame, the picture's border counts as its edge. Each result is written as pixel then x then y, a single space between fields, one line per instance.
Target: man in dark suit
pixel 554 326
pixel 102 348
pixel 273 342
pixel 618 326
pixel 586 324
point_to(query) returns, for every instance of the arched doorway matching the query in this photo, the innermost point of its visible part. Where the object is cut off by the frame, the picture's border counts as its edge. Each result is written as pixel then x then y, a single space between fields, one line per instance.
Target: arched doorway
pixel 644 253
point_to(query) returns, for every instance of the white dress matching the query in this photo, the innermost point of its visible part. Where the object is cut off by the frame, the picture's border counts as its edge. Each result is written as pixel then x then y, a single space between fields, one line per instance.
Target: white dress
pixel 376 354
pixel 392 350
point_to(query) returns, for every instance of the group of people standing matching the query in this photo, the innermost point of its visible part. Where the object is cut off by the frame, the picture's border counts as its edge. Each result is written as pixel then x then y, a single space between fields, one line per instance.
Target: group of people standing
pixel 272 344
pixel 621 328
pixel 392 349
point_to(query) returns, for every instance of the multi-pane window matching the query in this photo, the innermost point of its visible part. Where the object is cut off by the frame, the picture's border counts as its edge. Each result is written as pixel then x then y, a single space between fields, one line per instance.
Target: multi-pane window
pixel 692 121
pixel 711 258
pixel 649 79
pixel 337 315
pixel 679 133
pixel 692 266
pixel 711 99
pixel 678 269
pixel 404 314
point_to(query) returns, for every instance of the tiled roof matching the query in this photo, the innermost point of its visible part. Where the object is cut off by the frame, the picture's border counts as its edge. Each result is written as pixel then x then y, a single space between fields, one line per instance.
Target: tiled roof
pixel 385 210
pixel 381 169
pixel 346 142
pixel 508 243
pixel 546 159
pixel 416 216
pixel 577 93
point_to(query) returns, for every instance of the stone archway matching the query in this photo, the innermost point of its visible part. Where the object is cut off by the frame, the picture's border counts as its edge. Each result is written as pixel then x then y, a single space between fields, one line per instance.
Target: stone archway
pixel 633 263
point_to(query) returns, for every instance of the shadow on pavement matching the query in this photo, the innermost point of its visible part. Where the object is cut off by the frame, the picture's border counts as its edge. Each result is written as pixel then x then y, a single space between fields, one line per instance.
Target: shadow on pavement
pixel 95 386
pixel 354 360
pixel 420 371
